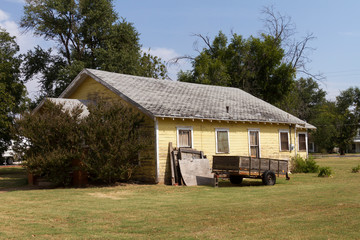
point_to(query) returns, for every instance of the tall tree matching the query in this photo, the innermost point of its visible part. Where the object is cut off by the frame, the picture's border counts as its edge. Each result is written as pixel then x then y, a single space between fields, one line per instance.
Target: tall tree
pixel 337 122
pixel 303 99
pixel 264 66
pixel 88 34
pixel 348 116
pixel 12 90
pixel 325 121
pixel 296 51
pixel 254 65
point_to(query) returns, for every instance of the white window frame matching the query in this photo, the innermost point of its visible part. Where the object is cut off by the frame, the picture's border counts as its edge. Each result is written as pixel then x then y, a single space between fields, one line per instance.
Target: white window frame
pixel 254 130
pixel 306 142
pixel 284 131
pixel 216 138
pixel 184 128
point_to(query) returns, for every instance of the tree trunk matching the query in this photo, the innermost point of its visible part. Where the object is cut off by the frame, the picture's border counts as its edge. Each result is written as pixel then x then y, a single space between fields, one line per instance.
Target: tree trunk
pixel 342 151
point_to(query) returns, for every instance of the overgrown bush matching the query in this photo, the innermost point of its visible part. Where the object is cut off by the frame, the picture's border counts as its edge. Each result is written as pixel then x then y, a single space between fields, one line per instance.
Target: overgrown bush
pixel 113 137
pixel 53 139
pixel 107 141
pixel 300 165
pixel 356 169
pixel 325 172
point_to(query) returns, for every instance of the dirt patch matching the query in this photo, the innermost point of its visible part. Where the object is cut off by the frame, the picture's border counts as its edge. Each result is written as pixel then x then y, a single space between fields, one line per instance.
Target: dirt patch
pixel 118 195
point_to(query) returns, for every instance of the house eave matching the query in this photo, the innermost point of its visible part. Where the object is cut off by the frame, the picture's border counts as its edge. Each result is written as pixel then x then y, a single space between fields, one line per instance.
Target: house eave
pixel 228 120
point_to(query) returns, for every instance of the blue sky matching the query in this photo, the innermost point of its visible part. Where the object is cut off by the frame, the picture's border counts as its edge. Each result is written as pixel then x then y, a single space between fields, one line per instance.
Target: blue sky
pixel 166 27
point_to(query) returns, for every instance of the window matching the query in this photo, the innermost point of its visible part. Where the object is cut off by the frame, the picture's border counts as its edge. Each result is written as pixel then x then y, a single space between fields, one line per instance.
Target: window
pixel 254 143
pixel 222 140
pixel 302 141
pixel 284 140
pixel 184 136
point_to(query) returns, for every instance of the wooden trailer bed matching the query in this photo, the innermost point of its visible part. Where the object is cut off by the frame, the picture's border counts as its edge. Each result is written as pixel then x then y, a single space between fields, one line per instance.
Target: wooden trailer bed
pixel 238 167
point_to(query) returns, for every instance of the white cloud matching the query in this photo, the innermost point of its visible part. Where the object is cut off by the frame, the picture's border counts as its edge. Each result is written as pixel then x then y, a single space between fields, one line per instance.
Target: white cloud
pixel 3 15
pixel 167 54
pixel 26 41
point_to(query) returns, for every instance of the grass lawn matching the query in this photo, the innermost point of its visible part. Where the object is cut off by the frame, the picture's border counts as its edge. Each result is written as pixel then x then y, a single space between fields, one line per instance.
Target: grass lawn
pixel 306 207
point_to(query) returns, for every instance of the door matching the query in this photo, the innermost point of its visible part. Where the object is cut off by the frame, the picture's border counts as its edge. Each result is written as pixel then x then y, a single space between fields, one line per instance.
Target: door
pixel 254 143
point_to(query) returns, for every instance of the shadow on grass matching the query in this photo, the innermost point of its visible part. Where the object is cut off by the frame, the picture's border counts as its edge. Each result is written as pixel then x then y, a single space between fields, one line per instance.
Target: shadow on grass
pixel 245 183
pixel 12 178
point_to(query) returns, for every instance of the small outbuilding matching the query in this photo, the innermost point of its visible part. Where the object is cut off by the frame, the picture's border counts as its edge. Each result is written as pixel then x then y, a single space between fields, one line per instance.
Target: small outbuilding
pixel 216 120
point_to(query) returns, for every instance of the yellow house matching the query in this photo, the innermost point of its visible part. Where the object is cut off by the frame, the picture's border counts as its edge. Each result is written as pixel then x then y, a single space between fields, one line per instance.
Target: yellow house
pixel 216 120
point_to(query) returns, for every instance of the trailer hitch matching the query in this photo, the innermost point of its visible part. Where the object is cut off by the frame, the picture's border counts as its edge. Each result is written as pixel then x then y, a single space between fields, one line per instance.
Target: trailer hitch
pixel 287 176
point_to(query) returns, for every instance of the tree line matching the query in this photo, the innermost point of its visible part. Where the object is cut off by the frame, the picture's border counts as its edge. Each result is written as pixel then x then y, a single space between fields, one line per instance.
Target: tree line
pixel 90 34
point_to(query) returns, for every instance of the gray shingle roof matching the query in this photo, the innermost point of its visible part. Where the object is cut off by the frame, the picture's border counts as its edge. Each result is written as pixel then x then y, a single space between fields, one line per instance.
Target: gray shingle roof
pixel 166 98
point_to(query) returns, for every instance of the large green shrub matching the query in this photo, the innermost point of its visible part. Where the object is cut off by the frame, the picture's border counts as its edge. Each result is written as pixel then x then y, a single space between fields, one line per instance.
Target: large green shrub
pixel 107 142
pixel 113 137
pixel 300 165
pixel 53 138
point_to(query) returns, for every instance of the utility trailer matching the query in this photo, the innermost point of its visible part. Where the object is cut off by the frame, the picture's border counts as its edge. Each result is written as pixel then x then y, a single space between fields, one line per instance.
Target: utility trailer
pixel 238 167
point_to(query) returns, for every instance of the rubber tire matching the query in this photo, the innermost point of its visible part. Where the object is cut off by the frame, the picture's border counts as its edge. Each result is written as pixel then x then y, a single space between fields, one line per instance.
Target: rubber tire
pixel 235 179
pixel 269 178
pixel 10 161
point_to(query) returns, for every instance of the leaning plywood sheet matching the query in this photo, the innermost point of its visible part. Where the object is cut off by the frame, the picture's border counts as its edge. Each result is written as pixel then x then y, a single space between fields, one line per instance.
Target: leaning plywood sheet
pixel 196 172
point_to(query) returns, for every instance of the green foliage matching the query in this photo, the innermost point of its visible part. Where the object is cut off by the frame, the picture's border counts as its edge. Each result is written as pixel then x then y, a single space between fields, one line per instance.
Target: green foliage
pixel 304 99
pixel 337 122
pixel 347 118
pixel 107 142
pixel 88 34
pixel 113 137
pixel 356 169
pixel 12 90
pixel 325 172
pixel 300 165
pixel 53 142
pixel 254 65
pixel 325 121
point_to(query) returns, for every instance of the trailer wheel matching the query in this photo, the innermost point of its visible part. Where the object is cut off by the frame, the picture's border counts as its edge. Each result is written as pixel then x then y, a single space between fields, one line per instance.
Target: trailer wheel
pixel 234 179
pixel 269 178
pixel 10 161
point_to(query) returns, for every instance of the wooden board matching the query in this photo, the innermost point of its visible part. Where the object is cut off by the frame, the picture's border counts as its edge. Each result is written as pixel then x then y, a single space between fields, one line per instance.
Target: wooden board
pixel 172 165
pixel 196 172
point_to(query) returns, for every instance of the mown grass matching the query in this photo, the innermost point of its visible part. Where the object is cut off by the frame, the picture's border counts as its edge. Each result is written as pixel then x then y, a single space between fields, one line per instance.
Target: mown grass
pixel 306 207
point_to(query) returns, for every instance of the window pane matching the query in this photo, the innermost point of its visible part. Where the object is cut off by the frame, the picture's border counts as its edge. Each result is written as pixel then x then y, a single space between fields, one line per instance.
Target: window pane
pixel 184 138
pixel 302 142
pixel 284 141
pixel 252 139
pixel 254 151
pixel 254 144
pixel 222 141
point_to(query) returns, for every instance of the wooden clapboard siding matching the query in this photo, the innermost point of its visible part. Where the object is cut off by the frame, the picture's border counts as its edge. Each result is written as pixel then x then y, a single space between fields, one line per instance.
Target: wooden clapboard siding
pixel 146 171
pixel 204 139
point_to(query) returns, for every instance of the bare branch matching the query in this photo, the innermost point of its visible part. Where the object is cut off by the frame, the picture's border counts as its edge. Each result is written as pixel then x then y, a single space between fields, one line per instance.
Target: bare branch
pixel 283 29
pixel 205 39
